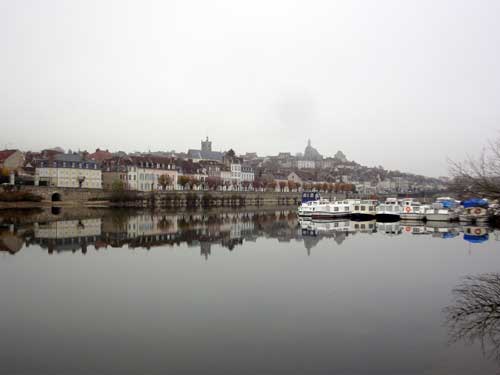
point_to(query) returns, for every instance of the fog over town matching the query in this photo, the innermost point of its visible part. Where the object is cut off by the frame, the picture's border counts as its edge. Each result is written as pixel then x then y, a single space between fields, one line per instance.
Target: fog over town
pixel 250 186
pixel 402 85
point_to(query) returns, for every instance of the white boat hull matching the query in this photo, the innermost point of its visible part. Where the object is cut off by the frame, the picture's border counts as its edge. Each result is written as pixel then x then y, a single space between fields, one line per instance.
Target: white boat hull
pixel 441 217
pixel 412 216
pixel 304 213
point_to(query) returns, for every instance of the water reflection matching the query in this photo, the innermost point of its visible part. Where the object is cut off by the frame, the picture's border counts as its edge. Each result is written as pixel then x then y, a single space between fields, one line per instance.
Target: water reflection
pixel 117 229
pixel 474 315
pixel 370 289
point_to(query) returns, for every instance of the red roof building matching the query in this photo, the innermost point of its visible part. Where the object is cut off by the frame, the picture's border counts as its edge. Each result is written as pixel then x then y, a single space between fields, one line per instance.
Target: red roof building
pixel 101 155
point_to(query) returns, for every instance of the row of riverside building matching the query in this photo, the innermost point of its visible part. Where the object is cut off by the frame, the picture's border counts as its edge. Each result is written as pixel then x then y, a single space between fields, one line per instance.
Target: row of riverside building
pixel 199 169
pixel 205 169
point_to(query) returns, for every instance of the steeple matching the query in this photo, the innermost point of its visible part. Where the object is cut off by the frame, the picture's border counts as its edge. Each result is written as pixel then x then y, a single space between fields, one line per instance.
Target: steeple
pixel 309 142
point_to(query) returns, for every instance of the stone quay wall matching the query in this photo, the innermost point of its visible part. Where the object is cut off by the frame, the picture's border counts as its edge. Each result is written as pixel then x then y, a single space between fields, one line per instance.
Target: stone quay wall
pixel 171 198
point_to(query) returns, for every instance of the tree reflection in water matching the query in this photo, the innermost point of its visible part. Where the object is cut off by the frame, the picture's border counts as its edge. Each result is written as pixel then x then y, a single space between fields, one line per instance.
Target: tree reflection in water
pixel 474 314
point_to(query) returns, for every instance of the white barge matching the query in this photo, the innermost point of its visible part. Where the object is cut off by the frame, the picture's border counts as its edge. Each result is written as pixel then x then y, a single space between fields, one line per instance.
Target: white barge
pixel 412 210
pixel 475 211
pixel 389 210
pixel 331 210
pixel 361 208
pixel 444 209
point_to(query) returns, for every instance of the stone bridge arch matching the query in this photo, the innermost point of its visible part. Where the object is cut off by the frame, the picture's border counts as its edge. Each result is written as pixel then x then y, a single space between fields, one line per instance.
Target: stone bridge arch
pixel 56 196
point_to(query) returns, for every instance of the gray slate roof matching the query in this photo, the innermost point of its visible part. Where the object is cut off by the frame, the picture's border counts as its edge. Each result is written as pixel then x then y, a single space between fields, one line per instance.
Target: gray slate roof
pixel 205 155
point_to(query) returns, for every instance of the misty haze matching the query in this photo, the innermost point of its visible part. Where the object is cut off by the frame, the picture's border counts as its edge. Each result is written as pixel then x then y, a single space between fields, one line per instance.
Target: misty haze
pixel 255 187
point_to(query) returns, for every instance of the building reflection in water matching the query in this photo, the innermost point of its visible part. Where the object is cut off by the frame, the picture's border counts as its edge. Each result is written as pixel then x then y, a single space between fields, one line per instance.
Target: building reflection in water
pixel 118 229
pixel 68 235
pixel 147 230
pixel 10 241
pixel 474 315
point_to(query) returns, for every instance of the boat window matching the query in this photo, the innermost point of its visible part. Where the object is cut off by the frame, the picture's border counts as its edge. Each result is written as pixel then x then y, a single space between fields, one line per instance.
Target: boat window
pixel 370 208
pixel 336 208
pixel 363 208
pixel 356 226
pixel 356 208
pixel 346 208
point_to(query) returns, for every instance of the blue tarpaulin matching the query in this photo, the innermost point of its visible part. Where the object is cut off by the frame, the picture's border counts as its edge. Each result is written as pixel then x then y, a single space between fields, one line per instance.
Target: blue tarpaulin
pixel 448 204
pixel 476 239
pixel 475 202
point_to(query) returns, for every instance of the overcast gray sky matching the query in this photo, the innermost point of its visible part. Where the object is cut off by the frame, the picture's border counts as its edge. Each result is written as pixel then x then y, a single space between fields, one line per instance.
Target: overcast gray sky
pixel 404 84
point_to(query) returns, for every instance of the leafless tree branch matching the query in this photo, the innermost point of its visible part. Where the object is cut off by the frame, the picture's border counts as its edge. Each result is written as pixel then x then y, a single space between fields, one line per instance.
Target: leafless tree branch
pixel 474 314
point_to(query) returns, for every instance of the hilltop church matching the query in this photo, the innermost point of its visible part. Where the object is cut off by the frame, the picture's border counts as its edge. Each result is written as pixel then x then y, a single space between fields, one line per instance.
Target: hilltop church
pixel 310 157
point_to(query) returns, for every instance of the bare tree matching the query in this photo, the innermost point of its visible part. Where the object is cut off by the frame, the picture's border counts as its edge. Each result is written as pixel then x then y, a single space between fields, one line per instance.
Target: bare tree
pixel 478 176
pixel 164 181
pixel 475 313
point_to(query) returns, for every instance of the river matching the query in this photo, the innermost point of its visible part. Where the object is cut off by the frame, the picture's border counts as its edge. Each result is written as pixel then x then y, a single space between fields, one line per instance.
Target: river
pixel 246 292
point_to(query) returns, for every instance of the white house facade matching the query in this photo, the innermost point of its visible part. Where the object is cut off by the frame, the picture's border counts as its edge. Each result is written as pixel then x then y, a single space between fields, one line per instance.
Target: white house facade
pixel 69 170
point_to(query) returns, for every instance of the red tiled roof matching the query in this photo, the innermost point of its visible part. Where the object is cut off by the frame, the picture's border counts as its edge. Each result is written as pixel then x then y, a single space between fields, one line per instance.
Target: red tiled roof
pixel 101 155
pixel 4 154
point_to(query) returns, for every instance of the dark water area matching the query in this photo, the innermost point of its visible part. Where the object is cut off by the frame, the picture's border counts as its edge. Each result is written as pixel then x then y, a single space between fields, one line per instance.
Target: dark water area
pixel 247 292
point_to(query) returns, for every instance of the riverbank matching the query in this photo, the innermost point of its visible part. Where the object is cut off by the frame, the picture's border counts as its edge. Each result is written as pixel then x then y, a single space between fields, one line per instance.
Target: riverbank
pixel 70 197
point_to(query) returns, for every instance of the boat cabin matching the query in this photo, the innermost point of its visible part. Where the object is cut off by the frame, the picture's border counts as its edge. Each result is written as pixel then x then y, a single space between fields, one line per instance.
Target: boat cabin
pixel 308 196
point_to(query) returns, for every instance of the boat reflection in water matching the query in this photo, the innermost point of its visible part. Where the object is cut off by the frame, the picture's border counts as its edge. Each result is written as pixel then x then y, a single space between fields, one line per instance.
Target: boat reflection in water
pixel 228 230
pixel 441 229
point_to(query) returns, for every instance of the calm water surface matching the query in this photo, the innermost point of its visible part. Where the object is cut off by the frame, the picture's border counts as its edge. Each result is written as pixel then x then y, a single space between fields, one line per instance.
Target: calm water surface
pixel 246 293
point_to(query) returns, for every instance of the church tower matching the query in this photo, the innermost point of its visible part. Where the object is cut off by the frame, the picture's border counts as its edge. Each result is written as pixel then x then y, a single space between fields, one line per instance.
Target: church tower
pixel 206 146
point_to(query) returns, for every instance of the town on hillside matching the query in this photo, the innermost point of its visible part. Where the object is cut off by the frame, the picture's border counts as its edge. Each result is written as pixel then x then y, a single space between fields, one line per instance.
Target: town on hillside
pixel 206 169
